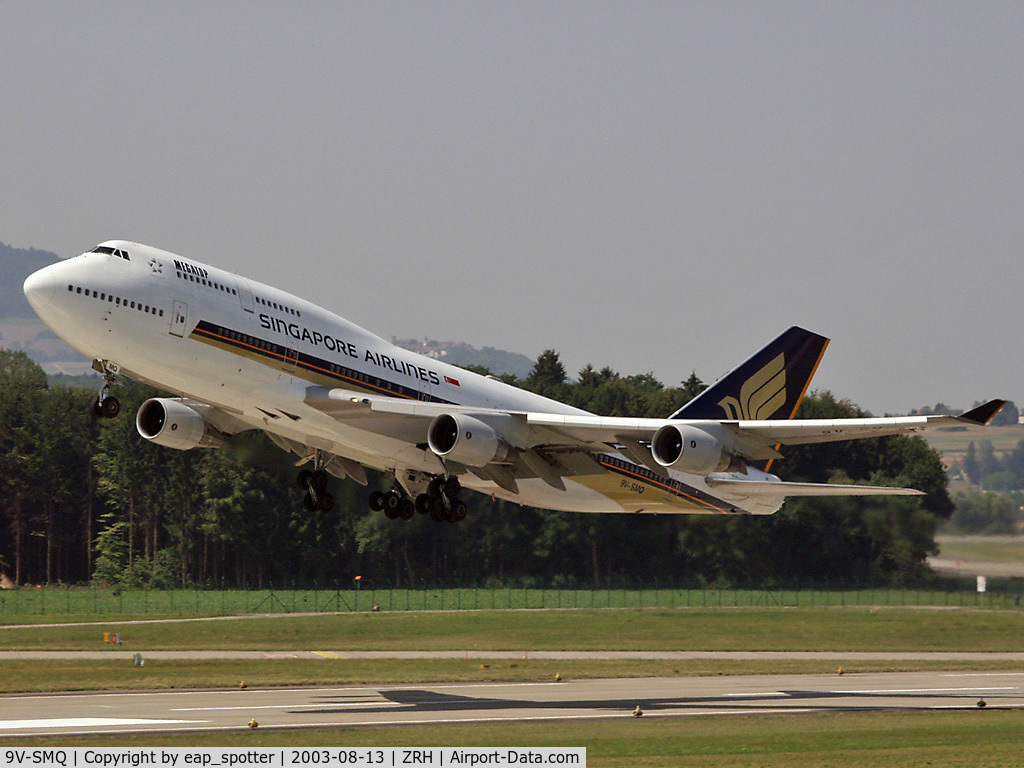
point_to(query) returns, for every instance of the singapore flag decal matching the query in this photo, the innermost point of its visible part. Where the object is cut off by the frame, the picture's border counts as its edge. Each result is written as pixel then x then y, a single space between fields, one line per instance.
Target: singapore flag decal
pixel 452 381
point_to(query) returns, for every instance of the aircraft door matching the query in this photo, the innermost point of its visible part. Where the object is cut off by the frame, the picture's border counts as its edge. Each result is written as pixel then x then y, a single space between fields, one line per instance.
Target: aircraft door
pixel 244 294
pixel 291 359
pixel 179 316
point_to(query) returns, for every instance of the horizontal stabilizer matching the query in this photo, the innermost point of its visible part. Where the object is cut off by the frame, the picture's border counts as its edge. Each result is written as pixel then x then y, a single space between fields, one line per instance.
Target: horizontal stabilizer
pixel 778 489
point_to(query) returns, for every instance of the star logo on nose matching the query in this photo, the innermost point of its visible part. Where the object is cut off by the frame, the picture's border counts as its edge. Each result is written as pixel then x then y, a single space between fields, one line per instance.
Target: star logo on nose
pixel 156 266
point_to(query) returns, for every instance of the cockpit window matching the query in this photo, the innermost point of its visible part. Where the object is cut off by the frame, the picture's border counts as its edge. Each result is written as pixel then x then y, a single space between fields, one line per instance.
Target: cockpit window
pixel 111 251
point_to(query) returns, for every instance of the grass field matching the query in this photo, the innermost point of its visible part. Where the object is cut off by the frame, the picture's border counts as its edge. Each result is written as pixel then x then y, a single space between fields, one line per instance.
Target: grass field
pixel 995 549
pixel 740 629
pixel 57 604
pixel 955 442
pixel 969 739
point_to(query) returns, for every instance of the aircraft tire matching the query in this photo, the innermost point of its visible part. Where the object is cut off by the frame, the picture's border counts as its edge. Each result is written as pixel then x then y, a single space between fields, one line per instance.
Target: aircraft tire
pixel 320 480
pixel 376 501
pixel 423 502
pixel 110 406
pixel 406 510
pixel 310 502
pixel 325 502
pixel 459 512
pixel 304 477
pixel 97 408
pixel 438 513
pixel 391 502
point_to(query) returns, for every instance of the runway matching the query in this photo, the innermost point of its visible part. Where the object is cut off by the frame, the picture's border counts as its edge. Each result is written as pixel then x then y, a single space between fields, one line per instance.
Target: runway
pixel 467 703
pixel 116 653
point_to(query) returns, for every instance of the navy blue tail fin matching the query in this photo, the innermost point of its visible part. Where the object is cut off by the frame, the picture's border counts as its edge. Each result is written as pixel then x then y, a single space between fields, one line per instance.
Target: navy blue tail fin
pixel 770 385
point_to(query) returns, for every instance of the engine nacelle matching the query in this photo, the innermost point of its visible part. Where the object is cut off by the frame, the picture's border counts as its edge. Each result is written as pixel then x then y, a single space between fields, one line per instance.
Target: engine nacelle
pixel 173 424
pixel 465 439
pixel 689 449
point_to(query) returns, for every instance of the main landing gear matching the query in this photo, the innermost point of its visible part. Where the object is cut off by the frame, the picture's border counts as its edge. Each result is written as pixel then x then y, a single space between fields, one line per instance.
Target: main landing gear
pixel 441 501
pixel 104 405
pixel 314 483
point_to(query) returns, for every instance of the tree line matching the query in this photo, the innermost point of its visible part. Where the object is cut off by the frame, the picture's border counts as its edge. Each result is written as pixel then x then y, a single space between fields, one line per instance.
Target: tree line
pixel 85 500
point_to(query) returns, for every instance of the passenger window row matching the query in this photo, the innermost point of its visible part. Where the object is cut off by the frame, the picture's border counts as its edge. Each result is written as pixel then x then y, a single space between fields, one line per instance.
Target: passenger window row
pixel 207 283
pixel 116 300
pixel 278 307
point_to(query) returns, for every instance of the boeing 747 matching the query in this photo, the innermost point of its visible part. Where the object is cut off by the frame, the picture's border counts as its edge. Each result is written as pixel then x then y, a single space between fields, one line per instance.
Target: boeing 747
pixel 239 355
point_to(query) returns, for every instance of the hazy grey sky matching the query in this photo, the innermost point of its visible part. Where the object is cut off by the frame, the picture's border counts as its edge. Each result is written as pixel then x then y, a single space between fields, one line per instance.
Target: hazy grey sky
pixel 652 186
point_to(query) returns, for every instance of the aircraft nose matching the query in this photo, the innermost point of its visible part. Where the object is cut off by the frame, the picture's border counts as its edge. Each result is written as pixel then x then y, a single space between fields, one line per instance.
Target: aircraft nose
pixel 40 288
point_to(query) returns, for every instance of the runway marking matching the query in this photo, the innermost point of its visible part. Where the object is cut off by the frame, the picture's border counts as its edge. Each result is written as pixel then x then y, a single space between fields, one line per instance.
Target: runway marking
pixel 374 688
pixel 246 708
pixel 927 690
pixel 983 674
pixel 329 654
pixel 759 694
pixel 372 723
pixel 338 705
pixel 86 722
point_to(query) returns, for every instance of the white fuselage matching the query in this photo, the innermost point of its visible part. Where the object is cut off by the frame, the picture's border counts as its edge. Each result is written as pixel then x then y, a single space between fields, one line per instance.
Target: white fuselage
pixel 252 351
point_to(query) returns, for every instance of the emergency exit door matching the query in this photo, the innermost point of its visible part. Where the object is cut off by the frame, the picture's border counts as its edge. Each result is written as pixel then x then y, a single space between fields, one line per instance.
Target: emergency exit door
pixel 179 317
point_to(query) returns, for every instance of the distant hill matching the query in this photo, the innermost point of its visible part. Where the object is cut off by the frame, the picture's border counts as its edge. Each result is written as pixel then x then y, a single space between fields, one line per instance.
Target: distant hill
pixel 497 361
pixel 20 329
pixel 15 265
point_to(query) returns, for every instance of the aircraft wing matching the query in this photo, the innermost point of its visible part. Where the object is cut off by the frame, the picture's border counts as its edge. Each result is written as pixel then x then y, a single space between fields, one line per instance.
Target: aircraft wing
pixel 752 439
pixel 734 487
pixel 783 431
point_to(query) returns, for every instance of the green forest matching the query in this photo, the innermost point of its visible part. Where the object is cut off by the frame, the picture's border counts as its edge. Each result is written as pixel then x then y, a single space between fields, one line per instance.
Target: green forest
pixel 87 500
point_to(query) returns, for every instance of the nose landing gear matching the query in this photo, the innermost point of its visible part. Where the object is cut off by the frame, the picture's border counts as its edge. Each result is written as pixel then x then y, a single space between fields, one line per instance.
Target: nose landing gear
pixel 104 405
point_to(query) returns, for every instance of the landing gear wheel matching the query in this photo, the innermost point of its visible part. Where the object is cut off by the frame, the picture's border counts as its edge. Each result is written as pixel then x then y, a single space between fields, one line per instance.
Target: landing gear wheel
pixel 406 509
pixel 305 477
pixel 111 407
pixel 376 501
pixel 391 502
pixel 459 512
pixel 423 502
pixel 319 480
pixel 310 502
pixel 97 408
pixel 438 511
pixel 325 502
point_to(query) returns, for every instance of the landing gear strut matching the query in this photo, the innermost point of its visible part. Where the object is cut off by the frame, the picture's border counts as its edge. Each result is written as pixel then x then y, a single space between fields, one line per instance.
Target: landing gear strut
pixel 314 483
pixel 104 405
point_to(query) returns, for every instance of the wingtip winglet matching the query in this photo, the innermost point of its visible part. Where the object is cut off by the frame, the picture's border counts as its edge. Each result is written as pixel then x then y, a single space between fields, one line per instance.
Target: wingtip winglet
pixel 983 414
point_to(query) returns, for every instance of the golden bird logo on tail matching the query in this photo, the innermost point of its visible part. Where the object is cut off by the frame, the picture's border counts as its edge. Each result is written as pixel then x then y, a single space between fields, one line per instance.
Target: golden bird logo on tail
pixel 761 395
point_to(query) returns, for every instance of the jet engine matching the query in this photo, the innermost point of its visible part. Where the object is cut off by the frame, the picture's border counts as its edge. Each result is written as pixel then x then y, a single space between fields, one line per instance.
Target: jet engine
pixel 465 439
pixel 689 449
pixel 174 424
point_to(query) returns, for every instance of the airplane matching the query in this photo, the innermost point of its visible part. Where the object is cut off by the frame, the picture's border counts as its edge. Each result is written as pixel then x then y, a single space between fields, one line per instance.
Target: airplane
pixel 240 355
